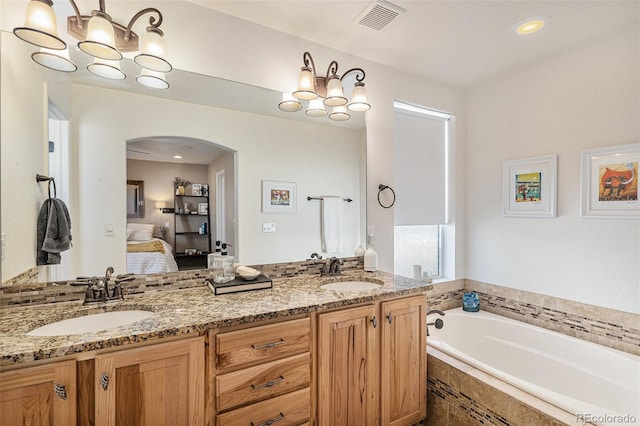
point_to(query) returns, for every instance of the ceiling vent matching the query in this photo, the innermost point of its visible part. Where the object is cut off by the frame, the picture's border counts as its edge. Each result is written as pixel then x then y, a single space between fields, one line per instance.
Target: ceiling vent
pixel 378 14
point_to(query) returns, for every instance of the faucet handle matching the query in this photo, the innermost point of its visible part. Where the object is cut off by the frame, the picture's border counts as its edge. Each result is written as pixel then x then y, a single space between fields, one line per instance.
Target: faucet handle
pixel 122 279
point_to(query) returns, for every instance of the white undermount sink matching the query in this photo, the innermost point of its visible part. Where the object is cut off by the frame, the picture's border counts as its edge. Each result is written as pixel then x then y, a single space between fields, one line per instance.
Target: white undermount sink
pixel 90 323
pixel 351 286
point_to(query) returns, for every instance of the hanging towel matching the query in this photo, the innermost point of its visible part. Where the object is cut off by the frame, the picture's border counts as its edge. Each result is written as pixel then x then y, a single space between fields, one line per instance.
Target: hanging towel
pixel 53 232
pixel 332 223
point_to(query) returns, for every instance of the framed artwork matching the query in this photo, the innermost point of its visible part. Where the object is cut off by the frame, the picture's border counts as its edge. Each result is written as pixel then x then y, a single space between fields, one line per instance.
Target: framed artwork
pixel 610 182
pixel 203 208
pixel 205 190
pixel 278 197
pixel 529 187
pixel 196 189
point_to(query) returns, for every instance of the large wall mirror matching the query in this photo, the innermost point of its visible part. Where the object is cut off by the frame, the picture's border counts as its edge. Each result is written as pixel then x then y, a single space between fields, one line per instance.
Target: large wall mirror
pixel 320 157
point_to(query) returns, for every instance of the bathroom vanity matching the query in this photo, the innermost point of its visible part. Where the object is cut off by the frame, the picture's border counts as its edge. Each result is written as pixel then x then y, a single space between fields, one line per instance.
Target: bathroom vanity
pixel 295 354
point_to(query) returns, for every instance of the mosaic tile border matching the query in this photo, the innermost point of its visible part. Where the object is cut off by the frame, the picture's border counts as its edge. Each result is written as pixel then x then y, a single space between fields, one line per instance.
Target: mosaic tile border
pixel 28 276
pixel 27 291
pixel 604 326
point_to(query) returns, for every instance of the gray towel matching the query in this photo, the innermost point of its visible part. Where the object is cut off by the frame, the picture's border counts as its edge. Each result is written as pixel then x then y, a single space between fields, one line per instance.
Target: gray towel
pixel 54 232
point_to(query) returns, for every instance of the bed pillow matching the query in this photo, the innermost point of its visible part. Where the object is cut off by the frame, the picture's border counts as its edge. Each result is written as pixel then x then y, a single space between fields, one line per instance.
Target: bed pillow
pixel 158 232
pixel 139 231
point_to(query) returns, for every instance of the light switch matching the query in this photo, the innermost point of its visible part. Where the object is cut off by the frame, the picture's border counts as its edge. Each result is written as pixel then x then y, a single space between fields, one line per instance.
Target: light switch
pixel 166 225
pixel 268 227
pixel 109 230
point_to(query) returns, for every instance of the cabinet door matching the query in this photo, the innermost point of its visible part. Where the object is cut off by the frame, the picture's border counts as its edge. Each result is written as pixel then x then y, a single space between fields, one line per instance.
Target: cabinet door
pixel 42 395
pixel 155 385
pixel 403 361
pixel 346 362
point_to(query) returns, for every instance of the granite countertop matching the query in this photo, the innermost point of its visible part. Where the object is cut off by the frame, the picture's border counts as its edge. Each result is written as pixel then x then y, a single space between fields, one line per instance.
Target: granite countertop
pixel 184 312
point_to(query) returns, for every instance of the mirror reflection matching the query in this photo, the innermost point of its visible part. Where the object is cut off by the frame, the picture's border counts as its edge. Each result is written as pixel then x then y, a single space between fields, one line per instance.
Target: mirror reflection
pixel 102 118
pixel 135 198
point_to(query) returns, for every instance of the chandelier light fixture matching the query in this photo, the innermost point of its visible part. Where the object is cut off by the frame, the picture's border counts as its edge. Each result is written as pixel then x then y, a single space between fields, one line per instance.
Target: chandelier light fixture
pixel 100 37
pixel 327 91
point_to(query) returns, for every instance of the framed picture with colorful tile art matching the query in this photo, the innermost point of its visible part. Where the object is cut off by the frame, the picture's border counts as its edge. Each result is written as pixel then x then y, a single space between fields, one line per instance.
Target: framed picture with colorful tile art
pixel 610 182
pixel 278 197
pixel 529 187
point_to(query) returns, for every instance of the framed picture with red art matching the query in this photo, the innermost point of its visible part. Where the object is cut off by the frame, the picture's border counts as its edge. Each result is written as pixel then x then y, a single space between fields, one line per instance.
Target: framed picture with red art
pixel 610 182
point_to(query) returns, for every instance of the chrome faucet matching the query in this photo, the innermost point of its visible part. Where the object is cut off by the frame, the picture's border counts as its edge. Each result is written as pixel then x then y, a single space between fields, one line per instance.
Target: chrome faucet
pixel 438 322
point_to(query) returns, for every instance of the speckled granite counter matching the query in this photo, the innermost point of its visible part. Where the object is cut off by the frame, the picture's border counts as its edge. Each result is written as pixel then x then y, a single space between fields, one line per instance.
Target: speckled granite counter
pixel 184 312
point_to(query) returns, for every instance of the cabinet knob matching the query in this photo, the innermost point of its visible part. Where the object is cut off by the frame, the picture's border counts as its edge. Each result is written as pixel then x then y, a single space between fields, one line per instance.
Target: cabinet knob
pixel 60 390
pixel 390 317
pixel 104 381
pixel 374 321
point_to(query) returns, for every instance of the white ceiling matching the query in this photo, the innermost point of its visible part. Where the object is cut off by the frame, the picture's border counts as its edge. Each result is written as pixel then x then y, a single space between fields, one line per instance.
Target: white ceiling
pixel 461 43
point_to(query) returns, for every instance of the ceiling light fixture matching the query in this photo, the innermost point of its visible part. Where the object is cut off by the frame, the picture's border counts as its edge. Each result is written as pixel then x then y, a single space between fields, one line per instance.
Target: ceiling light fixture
pixel 531 25
pixel 99 36
pixel 325 91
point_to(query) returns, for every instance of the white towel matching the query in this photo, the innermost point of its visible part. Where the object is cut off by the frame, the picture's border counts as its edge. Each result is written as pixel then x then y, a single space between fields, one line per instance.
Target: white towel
pixel 332 223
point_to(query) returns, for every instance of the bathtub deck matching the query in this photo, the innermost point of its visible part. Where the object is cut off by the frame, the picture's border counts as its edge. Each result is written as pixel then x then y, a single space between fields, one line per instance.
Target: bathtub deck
pixel 459 394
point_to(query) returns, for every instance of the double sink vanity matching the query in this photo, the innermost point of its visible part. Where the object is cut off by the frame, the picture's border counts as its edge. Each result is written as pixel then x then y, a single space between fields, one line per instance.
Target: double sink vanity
pixel 312 350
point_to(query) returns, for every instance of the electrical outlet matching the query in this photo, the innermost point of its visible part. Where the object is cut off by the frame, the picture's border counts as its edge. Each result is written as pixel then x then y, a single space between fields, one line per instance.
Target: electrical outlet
pixel 166 225
pixel 109 230
pixel 268 227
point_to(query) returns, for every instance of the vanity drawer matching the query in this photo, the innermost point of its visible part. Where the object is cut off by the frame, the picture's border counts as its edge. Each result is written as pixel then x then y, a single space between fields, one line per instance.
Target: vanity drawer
pixel 289 409
pixel 262 343
pixel 262 381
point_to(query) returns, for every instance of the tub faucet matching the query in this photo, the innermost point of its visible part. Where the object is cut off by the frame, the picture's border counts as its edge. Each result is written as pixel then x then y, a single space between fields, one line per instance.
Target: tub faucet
pixel 438 322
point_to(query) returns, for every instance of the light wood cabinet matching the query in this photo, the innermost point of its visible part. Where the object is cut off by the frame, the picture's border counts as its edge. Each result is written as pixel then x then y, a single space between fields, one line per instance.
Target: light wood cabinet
pixel 403 398
pixel 154 385
pixel 371 364
pixel 261 375
pixel 346 360
pixel 40 395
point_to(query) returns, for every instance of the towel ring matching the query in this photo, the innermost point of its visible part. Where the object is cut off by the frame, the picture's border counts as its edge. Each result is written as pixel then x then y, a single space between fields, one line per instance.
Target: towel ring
pixel 382 188
pixel 43 178
pixel 55 195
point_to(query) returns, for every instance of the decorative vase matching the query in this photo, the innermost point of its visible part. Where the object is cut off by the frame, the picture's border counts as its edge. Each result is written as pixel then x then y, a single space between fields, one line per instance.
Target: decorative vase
pixel 470 302
pixel 180 190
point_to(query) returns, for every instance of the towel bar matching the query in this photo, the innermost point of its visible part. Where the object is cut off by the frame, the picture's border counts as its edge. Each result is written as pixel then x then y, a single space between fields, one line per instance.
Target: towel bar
pixel 348 200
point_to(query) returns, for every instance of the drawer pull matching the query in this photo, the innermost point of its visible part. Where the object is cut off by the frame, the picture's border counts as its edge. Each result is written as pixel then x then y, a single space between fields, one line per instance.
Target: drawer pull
pixel 268 384
pixel 270 421
pixel 60 390
pixel 269 345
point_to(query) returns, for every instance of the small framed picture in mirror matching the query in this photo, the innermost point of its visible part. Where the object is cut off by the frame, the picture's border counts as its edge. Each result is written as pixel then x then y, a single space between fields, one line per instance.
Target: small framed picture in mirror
pixel 196 189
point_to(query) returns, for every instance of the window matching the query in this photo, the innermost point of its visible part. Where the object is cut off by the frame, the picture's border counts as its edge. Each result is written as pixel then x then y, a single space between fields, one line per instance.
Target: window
pixel 422 190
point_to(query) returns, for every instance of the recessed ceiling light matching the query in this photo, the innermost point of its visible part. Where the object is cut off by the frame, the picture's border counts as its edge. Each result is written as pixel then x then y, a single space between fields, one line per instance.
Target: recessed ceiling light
pixel 177 157
pixel 531 25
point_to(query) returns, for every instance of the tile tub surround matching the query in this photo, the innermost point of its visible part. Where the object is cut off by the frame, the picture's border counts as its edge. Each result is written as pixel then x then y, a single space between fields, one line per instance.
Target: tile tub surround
pixel 604 326
pixel 25 290
pixel 185 312
pixel 458 394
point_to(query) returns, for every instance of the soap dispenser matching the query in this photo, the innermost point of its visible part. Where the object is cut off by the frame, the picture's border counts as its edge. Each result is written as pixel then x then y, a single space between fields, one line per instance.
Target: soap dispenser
pixel 370 255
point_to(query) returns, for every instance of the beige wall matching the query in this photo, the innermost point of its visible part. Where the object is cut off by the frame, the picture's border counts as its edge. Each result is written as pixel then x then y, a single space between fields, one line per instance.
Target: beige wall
pixel 584 99
pixel 23 137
